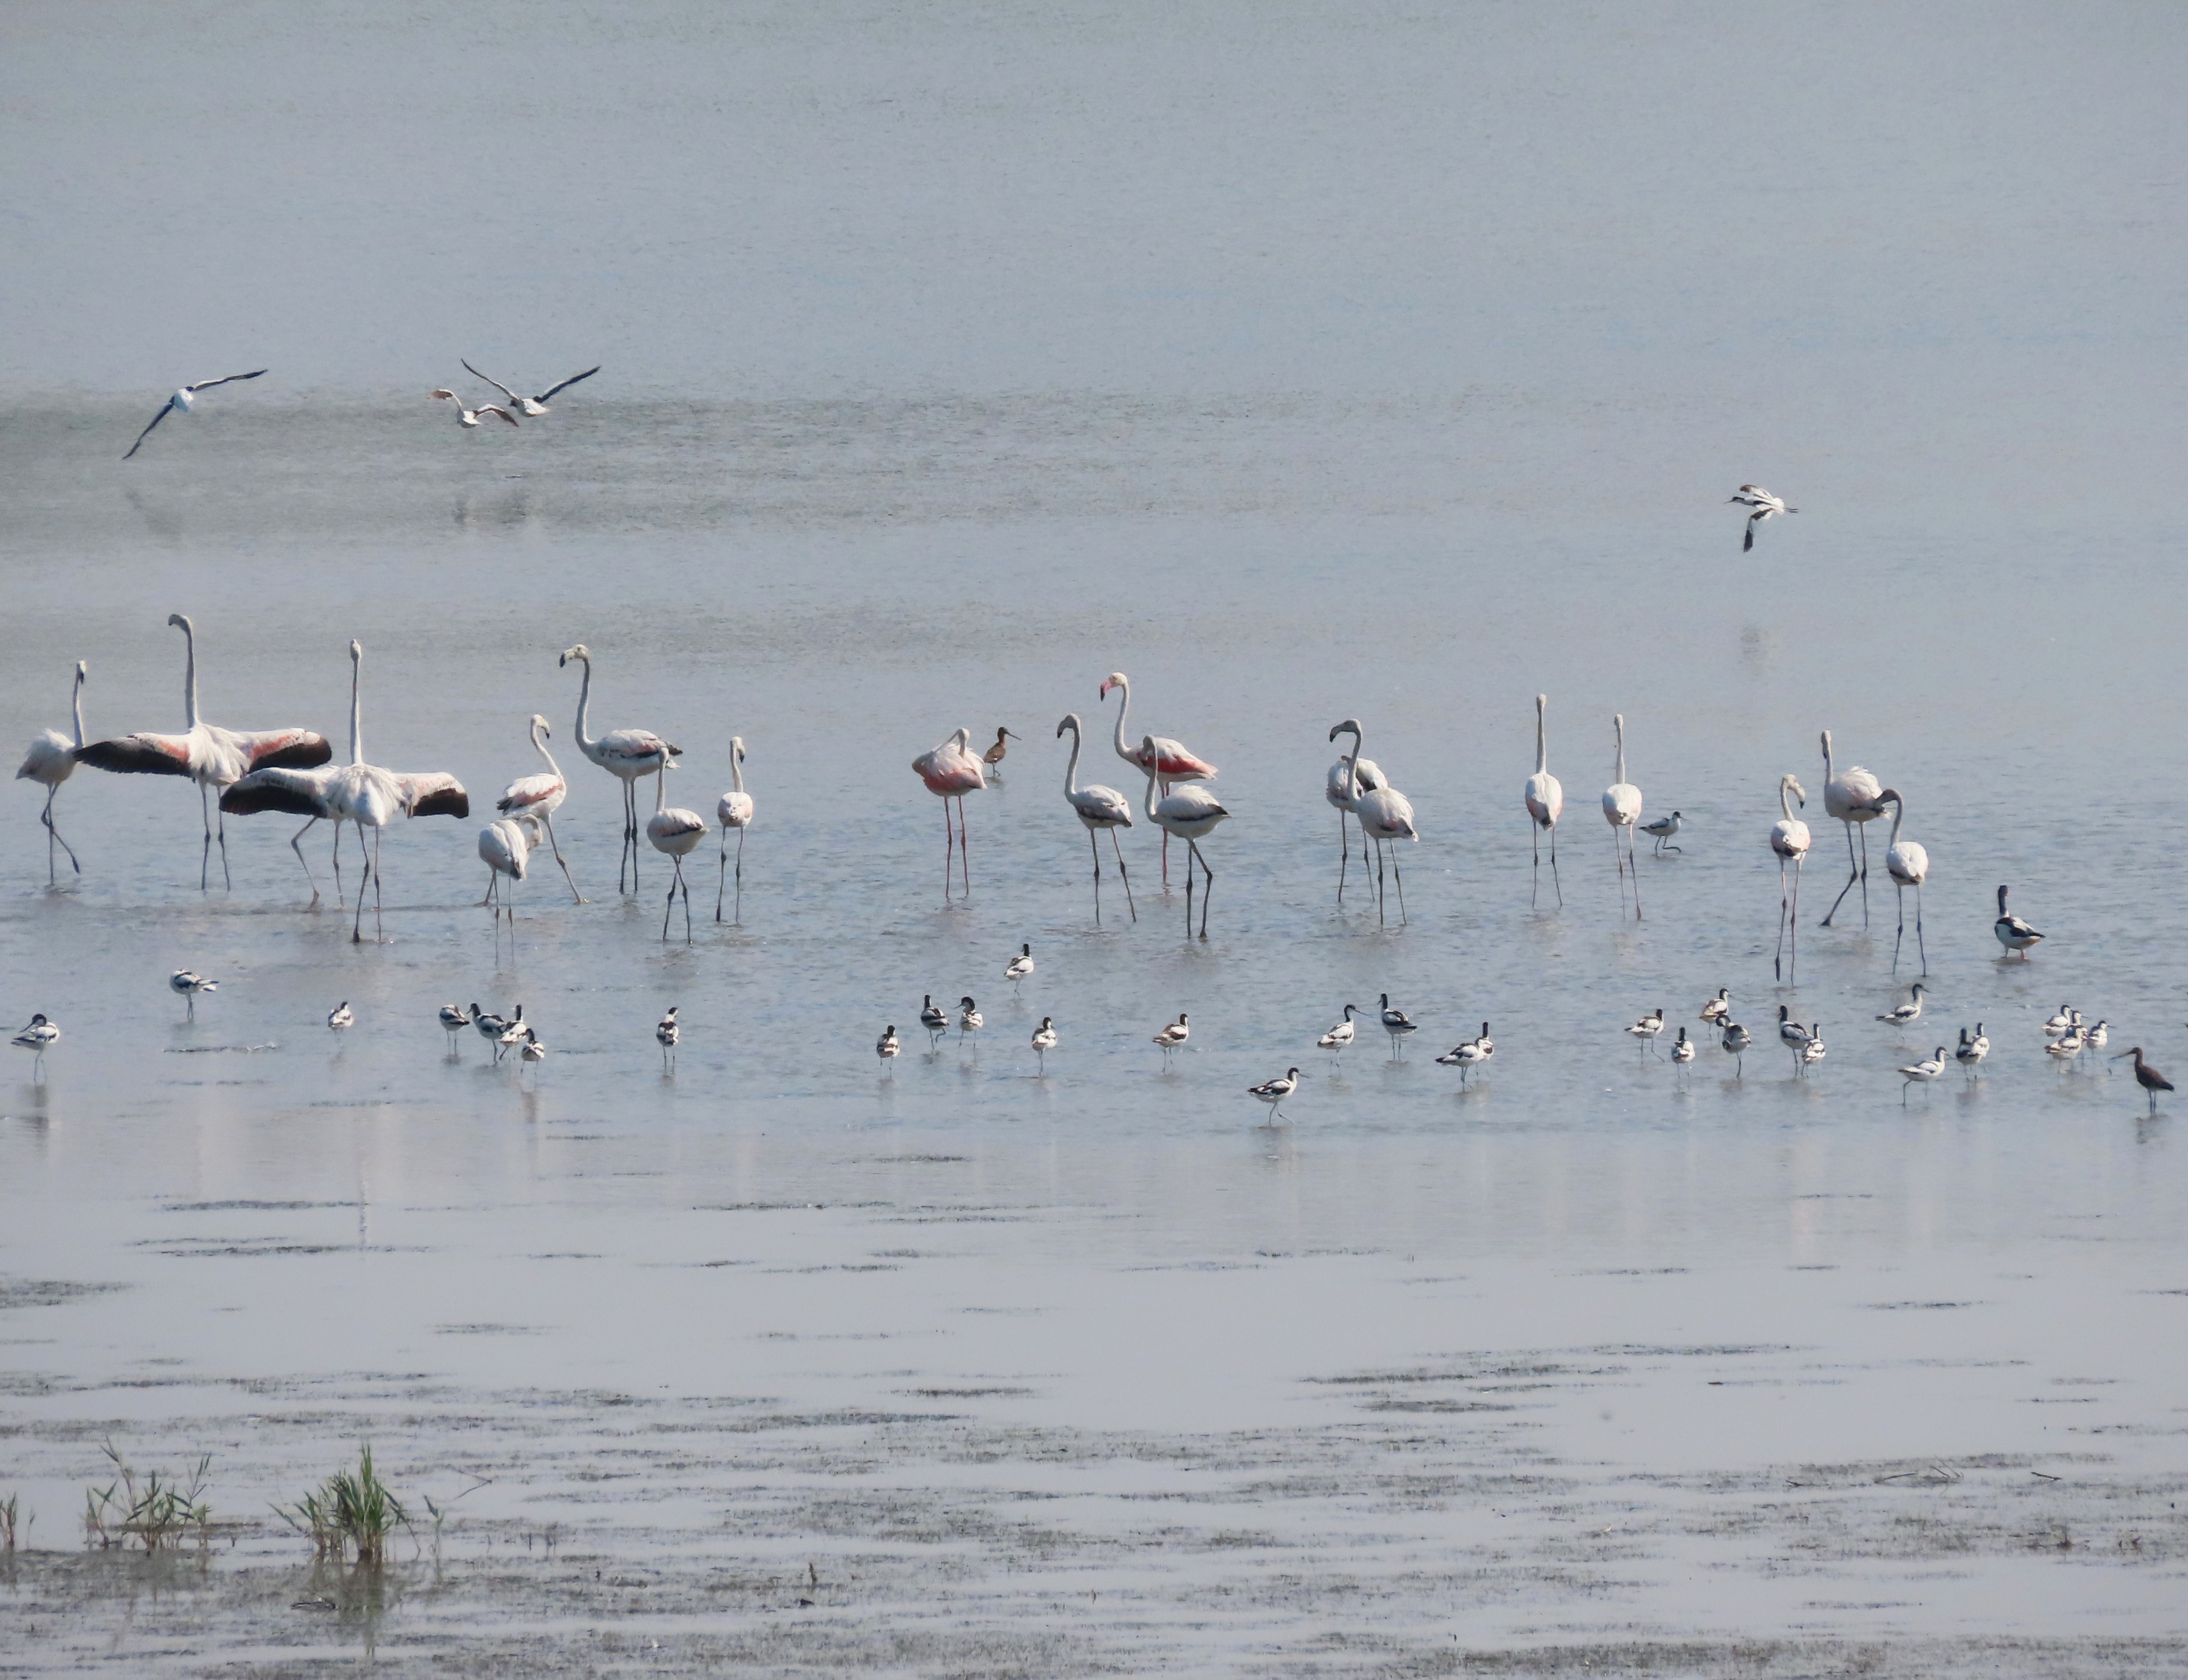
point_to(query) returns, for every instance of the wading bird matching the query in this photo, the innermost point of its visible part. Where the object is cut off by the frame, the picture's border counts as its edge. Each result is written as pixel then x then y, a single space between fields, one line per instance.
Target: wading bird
pixel 1792 1034
pixel 1763 505
pixel 1811 1053
pixel 950 772
pixel 1383 814
pixel 1273 1092
pixel 468 418
pixel 182 403
pixel 1399 1025
pixel 1647 1028
pixel 454 1019
pixel 1908 1013
pixel 1189 813
pixel 540 796
pixel 491 1027
pixel 627 755
pixel 1621 809
pixel 1851 798
pixel 1043 1040
pixel 1546 803
pixel 517 1036
pixel 993 758
pixel 1735 1039
pixel 887 1048
pixel 1098 807
pixel 50 762
pixel 1016 970
pixel 1348 778
pixel 2066 1047
pixel 2146 1076
pixel 340 1017
pixel 1682 1051
pixel 1789 839
pixel 667 1033
pixel 1157 755
pixel 189 986
pixel 531 1050
pixel 675 833
pixel 1338 1037
pixel 1469 1056
pixel 1971 1051
pixel 934 1017
pixel 1719 1009
pixel 735 811
pixel 1924 1072
pixel 1660 830
pixel 1908 865
pixel 208 755
pixel 355 793
pixel 2014 933
pixel 969 1020
pixel 40 1036
pixel 532 406
pixel 504 847
pixel 1172 1038
pixel 2062 1020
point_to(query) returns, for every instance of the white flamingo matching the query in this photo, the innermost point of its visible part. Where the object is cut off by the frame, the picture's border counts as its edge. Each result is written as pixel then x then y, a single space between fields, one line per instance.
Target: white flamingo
pixel 1341 787
pixel 540 796
pixel 674 832
pixel 504 847
pixel 1168 761
pixel 358 792
pixel 468 418
pixel 1789 840
pixel 50 762
pixel 1385 814
pixel 1189 813
pixel 205 754
pixel 734 810
pixel 1099 808
pixel 1546 804
pixel 182 403
pixel 1908 865
pixel 1851 798
pixel 626 754
pixel 531 407
pixel 950 772
pixel 1621 809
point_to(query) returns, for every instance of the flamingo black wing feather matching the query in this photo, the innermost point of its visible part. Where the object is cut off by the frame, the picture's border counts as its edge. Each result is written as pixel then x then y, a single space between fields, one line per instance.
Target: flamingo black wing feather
pixel 137 755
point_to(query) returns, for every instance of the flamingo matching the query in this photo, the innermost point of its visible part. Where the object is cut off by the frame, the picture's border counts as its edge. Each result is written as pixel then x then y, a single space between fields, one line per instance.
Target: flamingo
pixel 531 407
pixel 951 771
pixel 735 811
pixel 40 1036
pixel 468 418
pixel 1099 808
pixel 1851 798
pixel 1908 865
pixel 674 832
pixel 2014 933
pixel 1546 803
pixel 504 847
pixel 1764 505
pixel 1158 755
pixel 1189 813
pixel 993 758
pixel 625 754
pixel 1385 814
pixel 1789 839
pixel 1621 809
pixel 541 796
pixel 358 792
pixel 1341 787
pixel 1273 1092
pixel 50 762
pixel 207 754
pixel 2146 1076
pixel 181 401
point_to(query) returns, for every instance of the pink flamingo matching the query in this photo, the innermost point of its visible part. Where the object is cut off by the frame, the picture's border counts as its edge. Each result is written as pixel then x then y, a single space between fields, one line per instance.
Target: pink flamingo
pixel 1157 755
pixel 951 771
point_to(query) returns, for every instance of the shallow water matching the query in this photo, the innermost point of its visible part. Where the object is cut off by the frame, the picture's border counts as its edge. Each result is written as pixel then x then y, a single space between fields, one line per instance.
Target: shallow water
pixel 1587 1362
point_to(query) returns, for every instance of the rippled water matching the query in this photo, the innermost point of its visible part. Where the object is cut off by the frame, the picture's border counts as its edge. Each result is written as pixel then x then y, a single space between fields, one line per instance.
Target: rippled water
pixel 1094 1372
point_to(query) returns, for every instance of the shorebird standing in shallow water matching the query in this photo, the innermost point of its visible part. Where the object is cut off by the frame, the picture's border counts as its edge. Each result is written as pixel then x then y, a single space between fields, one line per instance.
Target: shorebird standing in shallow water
pixel 187 985
pixel 1789 842
pixel 1274 1091
pixel 1735 1041
pixel 1660 830
pixel 934 1018
pixel 1924 1072
pixel 1043 1040
pixel 1811 1053
pixel 1172 1039
pixel 1971 1051
pixel 1020 966
pixel 2014 933
pixel 340 1017
pixel 1683 1051
pixel 50 762
pixel 2146 1076
pixel 1762 505
pixel 993 758
pixel 1339 1036
pixel 1467 1057
pixel 887 1047
pixel 1546 803
pixel 667 1034
pixel 1648 1028
pixel 1852 797
pixel 1908 1013
pixel 40 1036
pixel 1399 1025
pixel 454 1020
pixel 1719 1009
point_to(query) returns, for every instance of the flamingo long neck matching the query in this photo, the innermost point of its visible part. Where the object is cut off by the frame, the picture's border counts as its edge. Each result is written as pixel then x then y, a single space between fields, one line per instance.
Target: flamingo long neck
pixel 1620 724
pixel 540 740
pixel 77 700
pixel 1353 789
pixel 660 794
pixel 1151 801
pixel 189 675
pixel 1827 758
pixel 1785 799
pixel 1899 810
pixel 1542 743
pixel 1124 705
pixel 1071 770
pixel 737 766
pixel 585 702
pixel 356 710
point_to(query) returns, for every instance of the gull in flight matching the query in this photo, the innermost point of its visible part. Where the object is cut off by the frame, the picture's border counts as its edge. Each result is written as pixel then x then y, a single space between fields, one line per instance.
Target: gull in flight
pixel 530 407
pixel 469 417
pixel 1762 505
pixel 181 402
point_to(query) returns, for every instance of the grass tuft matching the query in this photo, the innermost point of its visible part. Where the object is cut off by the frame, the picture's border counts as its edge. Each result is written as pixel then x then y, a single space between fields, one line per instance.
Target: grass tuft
pixel 154 1509
pixel 352 1512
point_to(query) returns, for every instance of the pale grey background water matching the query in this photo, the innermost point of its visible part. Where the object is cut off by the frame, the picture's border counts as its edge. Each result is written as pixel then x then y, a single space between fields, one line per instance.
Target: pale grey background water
pixel 1302 364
